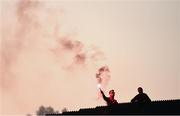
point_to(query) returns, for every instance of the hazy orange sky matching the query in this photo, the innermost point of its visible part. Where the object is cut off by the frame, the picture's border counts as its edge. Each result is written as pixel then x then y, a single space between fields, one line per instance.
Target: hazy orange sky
pixel 52 49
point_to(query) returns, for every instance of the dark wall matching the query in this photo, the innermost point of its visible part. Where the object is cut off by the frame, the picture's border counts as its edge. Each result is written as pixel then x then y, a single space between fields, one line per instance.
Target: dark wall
pixel 155 107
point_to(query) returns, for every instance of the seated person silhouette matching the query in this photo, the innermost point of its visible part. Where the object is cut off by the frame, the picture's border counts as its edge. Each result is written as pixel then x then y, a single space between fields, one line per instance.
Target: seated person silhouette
pixel 141 97
pixel 109 100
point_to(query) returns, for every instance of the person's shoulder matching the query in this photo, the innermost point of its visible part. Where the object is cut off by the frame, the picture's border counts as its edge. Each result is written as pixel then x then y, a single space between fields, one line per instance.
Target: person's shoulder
pixel 115 101
pixel 138 95
pixel 145 94
pixel 108 98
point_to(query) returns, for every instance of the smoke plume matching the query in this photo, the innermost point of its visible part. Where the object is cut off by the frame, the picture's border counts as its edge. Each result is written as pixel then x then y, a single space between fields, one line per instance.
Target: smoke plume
pixel 103 76
pixel 36 55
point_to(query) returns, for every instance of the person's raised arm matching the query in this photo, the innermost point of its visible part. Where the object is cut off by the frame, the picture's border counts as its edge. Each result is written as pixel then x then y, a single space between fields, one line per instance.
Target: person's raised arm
pixel 104 97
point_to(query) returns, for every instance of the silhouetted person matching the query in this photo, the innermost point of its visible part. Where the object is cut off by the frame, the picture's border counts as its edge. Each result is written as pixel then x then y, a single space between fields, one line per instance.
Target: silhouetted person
pixel 109 100
pixel 141 97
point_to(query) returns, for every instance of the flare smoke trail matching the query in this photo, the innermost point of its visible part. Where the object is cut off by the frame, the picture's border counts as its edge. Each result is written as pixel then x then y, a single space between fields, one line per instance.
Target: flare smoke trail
pixel 14 38
pixel 35 52
pixel 103 76
pixel 79 54
pixel 28 29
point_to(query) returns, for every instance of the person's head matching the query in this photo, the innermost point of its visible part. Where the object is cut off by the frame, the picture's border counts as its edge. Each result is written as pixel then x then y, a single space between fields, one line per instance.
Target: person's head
pixel 140 90
pixel 111 93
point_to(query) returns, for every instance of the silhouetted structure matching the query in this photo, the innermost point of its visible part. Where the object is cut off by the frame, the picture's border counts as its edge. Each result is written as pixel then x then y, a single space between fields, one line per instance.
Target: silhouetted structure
pixel 141 97
pixel 154 107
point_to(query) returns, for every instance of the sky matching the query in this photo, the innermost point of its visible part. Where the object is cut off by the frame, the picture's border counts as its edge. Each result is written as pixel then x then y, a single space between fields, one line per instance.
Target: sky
pixel 51 51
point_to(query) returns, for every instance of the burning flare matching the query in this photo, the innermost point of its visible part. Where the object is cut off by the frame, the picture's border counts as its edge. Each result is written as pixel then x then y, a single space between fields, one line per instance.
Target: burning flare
pixel 103 77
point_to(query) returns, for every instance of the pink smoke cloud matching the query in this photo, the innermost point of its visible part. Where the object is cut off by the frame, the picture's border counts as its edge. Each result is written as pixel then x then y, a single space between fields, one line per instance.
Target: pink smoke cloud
pixel 103 76
pixel 35 52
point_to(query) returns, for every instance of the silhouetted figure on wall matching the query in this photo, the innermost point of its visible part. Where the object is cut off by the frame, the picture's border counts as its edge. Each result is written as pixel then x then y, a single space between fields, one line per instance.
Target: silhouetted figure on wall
pixel 141 97
pixel 109 100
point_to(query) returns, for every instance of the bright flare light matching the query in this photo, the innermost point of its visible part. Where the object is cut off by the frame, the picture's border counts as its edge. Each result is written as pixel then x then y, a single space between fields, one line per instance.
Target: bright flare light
pixel 99 85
